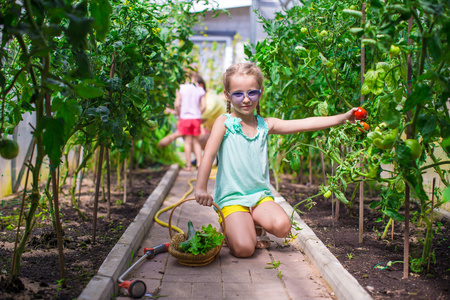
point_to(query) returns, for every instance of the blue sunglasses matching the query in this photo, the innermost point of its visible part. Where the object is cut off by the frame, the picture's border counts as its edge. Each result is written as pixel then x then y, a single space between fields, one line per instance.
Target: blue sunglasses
pixel 238 97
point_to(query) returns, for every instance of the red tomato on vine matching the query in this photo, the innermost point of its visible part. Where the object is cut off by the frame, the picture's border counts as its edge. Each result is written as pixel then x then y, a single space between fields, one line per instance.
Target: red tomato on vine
pixel 360 114
pixel 364 125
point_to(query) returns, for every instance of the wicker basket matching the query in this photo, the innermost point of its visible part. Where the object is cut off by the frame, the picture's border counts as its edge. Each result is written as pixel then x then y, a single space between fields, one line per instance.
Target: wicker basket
pixel 189 259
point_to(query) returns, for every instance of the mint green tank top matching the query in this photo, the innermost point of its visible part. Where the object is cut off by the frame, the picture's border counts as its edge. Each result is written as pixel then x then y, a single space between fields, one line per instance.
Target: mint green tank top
pixel 243 172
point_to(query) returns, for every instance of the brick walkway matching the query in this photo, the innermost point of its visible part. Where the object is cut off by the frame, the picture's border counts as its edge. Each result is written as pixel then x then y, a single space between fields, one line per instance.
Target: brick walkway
pixel 227 277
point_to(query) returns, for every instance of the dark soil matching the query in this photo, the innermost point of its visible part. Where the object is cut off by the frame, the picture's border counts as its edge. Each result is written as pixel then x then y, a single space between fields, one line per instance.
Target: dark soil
pixel 40 273
pixel 361 259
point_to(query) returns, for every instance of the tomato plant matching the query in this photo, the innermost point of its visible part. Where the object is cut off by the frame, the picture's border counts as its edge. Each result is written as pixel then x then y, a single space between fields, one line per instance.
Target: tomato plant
pixel 93 72
pixel 405 99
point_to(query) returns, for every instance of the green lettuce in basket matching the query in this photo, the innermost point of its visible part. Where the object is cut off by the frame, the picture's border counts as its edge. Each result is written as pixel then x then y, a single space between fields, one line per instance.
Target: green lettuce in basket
pixel 200 242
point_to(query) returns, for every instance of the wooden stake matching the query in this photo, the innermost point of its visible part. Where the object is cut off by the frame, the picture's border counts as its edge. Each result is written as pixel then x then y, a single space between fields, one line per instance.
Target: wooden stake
pixel 125 181
pixel 332 209
pixel 323 168
pixel 108 184
pixel 310 167
pixel 131 164
pixel 431 216
pixel 361 186
pixel 392 230
pixel 80 174
pixel 97 190
pixel 408 135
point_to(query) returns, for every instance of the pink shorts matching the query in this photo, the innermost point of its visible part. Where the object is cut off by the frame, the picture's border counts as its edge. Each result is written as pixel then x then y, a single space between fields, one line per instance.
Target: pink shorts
pixel 189 126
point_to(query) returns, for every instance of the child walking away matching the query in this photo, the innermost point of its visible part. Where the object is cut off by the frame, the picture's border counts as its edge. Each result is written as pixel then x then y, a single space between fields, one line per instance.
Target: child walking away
pixel 239 138
pixel 190 103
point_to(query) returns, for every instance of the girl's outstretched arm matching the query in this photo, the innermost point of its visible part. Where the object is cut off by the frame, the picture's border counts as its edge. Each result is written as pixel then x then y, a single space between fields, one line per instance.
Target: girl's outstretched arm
pixel 211 148
pixel 278 126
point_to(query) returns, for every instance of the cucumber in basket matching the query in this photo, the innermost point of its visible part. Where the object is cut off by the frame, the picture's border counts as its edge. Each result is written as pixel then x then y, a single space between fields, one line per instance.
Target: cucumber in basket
pixel 200 242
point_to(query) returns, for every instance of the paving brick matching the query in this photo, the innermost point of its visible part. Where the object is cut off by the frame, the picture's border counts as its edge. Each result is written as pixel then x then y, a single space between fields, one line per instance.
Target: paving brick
pixel 152 268
pixel 176 290
pixel 287 254
pixel 297 269
pixel 205 278
pixel 158 231
pixel 268 290
pixel 257 261
pixel 264 275
pixel 210 290
pixel 303 288
pixel 236 275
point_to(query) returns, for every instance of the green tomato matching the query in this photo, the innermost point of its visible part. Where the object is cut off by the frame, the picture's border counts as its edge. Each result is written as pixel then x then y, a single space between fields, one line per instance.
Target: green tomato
pixel 327 194
pixel 329 64
pixel 385 140
pixel 304 30
pixel 334 71
pixel 323 33
pixel 414 146
pixel 394 51
pixel 353 7
pixel 8 149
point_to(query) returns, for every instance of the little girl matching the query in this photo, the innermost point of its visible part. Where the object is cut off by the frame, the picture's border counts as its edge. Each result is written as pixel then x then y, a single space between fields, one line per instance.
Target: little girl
pixel 239 138
pixel 190 103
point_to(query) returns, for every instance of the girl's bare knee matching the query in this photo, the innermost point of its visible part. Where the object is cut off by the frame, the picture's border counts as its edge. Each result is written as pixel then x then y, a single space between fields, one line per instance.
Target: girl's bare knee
pixel 282 227
pixel 243 250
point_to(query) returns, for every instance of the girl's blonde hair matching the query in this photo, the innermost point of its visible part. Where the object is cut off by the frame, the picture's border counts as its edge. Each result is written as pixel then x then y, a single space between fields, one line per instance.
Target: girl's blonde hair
pixel 246 69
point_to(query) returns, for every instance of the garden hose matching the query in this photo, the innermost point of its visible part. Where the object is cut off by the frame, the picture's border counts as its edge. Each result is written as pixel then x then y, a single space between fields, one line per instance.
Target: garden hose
pixel 191 188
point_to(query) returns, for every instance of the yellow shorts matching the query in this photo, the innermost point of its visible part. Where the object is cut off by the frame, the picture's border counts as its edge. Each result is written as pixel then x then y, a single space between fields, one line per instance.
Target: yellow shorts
pixel 228 210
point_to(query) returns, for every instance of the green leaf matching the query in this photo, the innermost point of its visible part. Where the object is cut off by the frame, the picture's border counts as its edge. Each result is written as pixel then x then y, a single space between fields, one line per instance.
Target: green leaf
pixel 391 116
pixel 374 204
pixel 86 91
pixel 104 113
pixel 446 144
pixel 357 30
pixel 340 195
pixel 53 138
pixel 295 162
pixel 420 95
pixel 100 11
pixel 446 195
pixel 426 125
pixel 394 214
pixel 68 110
pixel 274 76
pixel 354 13
pixel 434 46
